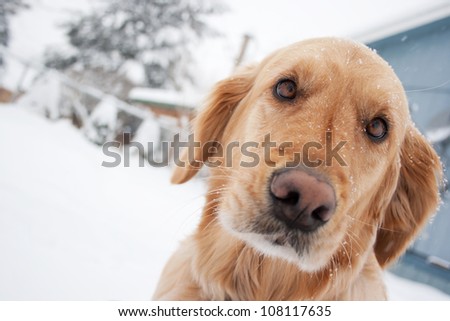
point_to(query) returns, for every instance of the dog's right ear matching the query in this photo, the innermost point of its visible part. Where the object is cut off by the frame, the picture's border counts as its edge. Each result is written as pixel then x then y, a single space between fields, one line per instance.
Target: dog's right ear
pixel 415 198
pixel 212 120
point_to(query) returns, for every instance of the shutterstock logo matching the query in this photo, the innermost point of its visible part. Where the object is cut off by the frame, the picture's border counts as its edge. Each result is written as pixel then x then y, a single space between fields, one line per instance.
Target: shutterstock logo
pixel 218 155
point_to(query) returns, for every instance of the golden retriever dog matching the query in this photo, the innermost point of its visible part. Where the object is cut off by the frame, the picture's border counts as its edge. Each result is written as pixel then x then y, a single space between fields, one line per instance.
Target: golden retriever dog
pixel 334 185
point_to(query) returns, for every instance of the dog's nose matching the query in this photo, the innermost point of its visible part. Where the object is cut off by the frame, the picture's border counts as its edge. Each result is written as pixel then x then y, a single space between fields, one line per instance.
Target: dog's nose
pixel 302 200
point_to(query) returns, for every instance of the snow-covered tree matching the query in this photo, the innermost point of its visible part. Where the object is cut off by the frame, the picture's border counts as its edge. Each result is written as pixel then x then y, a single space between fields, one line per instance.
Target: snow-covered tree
pixel 155 33
pixel 8 8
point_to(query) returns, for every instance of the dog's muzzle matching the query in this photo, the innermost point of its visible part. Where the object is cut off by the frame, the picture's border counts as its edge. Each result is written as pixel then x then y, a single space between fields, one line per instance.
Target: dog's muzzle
pixel 302 199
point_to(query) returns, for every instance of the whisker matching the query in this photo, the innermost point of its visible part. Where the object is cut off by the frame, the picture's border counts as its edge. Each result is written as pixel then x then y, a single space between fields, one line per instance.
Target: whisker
pixel 354 238
pixel 360 221
pixel 428 88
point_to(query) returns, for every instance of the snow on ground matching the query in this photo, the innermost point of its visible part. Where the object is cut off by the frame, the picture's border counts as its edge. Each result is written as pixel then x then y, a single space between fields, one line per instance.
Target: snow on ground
pixel 400 289
pixel 71 229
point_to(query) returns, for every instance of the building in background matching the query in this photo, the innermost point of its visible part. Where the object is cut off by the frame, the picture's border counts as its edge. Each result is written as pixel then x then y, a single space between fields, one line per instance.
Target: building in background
pixel 165 103
pixel 172 110
pixel 418 50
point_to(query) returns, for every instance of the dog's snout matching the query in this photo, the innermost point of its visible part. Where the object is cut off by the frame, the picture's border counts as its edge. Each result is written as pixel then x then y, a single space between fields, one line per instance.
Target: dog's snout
pixel 302 200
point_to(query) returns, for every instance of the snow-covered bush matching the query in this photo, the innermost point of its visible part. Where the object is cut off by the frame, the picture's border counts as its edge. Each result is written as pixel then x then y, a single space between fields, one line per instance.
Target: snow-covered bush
pixel 45 95
pixel 102 123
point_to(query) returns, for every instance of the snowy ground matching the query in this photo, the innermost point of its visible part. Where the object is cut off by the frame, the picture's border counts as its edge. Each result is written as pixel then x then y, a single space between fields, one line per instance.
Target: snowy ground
pixel 71 229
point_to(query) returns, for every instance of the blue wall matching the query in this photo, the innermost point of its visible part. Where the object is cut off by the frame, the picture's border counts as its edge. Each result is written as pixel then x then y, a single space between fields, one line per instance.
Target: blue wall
pixel 421 59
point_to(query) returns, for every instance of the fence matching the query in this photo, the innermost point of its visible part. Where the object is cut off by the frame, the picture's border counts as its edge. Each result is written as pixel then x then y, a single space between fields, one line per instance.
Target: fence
pixel 79 102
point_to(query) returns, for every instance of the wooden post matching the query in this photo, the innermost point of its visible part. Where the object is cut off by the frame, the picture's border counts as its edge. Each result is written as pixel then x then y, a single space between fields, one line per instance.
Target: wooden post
pixel 245 41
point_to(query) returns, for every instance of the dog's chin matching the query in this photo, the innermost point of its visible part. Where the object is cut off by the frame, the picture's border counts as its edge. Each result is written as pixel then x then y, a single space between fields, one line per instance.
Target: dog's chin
pixel 283 245
pixel 272 246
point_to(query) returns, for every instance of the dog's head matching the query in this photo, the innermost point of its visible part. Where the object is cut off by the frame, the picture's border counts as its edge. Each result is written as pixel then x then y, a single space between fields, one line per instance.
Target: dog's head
pixel 314 157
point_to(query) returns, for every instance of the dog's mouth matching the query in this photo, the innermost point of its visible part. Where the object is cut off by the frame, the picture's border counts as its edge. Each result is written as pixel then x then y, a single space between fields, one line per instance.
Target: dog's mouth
pixel 286 244
pixel 267 229
pixel 280 241
pixel 299 246
pixel 281 235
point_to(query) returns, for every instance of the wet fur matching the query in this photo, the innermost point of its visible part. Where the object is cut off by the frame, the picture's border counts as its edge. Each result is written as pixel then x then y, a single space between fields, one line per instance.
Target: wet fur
pixel 385 193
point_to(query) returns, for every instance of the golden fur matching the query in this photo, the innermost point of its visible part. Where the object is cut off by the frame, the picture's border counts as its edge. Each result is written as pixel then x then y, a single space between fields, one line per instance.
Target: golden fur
pixel 385 193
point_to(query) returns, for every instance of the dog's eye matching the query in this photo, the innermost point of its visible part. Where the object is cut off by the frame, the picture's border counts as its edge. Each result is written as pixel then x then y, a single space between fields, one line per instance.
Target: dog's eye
pixel 286 89
pixel 376 129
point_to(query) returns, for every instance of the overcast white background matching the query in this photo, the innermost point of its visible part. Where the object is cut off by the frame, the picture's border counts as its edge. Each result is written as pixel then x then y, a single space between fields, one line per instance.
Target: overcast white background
pixel 272 24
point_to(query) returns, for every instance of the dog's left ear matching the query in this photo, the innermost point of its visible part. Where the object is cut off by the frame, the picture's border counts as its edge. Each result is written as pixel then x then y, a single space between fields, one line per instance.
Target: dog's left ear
pixel 414 200
pixel 212 120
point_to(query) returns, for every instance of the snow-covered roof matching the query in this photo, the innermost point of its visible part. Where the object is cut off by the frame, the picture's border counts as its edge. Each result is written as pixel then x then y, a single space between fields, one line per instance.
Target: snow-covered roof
pixel 405 24
pixel 164 97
